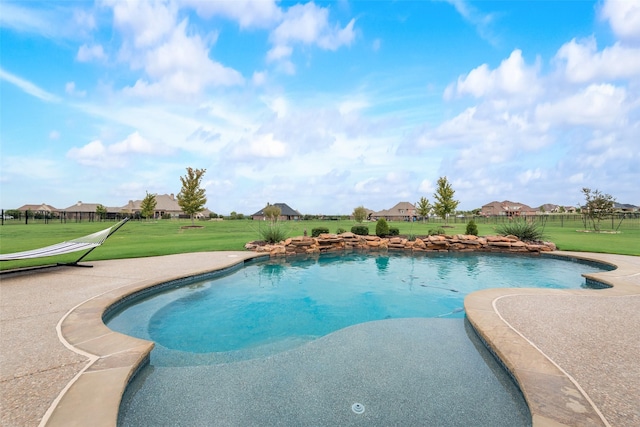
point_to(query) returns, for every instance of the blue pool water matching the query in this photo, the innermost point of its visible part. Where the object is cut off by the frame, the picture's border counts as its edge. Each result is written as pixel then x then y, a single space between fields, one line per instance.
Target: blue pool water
pixel 291 343
pixel 277 304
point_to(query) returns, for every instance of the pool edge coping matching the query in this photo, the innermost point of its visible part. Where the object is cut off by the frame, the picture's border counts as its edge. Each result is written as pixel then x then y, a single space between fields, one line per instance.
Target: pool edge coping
pixel 567 404
pixel 94 394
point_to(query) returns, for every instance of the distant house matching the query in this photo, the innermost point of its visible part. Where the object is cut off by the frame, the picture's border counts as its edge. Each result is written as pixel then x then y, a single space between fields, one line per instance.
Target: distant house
pixel 87 211
pixel 166 204
pixel 286 213
pixel 41 209
pixel 625 207
pixel 403 211
pixel 551 208
pixel 507 208
pixel 205 213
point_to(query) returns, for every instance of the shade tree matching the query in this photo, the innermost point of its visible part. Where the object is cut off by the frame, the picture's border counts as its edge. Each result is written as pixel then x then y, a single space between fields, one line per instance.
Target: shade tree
pixel 444 204
pixel 192 197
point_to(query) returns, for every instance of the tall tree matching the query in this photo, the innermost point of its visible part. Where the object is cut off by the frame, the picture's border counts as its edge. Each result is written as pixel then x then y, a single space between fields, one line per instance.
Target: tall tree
pixel 423 207
pixel 598 206
pixel 148 205
pixel 101 211
pixel 359 214
pixel 444 203
pixel 191 197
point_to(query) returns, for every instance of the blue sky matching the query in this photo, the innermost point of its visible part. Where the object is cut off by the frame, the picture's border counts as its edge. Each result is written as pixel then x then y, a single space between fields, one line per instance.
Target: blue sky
pixel 324 106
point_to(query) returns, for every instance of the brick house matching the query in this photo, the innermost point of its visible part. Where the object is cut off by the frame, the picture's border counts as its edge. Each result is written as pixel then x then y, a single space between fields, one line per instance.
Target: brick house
pixel 507 208
pixel 286 213
pixel 403 211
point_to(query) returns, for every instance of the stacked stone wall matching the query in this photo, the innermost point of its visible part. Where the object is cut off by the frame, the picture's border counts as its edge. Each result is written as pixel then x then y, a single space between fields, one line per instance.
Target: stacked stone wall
pixel 442 243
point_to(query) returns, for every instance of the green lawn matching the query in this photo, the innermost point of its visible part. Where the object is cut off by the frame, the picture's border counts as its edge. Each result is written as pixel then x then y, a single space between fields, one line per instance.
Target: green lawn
pixel 141 238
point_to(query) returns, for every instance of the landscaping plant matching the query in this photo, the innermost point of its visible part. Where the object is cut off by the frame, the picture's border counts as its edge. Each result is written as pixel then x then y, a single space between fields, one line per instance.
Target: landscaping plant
pixel 472 228
pixel 360 230
pixel 315 232
pixel 527 231
pixel 382 228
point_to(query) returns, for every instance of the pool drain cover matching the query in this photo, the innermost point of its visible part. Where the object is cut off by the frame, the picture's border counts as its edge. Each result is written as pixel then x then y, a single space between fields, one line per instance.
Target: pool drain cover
pixel 358 408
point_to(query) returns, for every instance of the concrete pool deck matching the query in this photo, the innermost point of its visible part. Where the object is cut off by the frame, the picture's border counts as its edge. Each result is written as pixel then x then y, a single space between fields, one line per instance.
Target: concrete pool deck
pixel 574 353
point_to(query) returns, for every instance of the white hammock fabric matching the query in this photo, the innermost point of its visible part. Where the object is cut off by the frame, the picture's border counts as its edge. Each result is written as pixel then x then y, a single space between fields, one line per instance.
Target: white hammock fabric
pixel 88 243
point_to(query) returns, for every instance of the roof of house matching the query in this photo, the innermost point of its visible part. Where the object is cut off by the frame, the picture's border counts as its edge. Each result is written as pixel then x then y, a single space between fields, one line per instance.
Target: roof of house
pixel 164 202
pixel 86 207
pixel 285 210
pixel 400 209
pixel 40 207
pixel 507 205
pixel 624 206
pixel 548 207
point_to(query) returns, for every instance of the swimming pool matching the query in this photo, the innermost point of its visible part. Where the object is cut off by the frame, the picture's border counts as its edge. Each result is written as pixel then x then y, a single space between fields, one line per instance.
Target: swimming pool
pixel 402 329
pixel 274 305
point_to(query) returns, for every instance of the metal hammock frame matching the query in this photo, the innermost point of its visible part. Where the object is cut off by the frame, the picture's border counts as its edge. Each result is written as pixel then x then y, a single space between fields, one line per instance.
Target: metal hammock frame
pixel 88 243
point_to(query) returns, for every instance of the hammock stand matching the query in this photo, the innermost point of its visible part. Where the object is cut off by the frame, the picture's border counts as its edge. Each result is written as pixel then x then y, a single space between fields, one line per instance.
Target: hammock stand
pixel 88 243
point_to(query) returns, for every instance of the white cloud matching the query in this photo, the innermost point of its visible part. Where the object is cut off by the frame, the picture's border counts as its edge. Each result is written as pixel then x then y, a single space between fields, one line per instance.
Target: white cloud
pixel 248 13
pixel 135 143
pixel 499 132
pixel 89 53
pixel 352 105
pixel 530 175
pixel 21 169
pixel 481 21
pixel 278 105
pixel 181 66
pixel 333 40
pixel 116 155
pixel 261 146
pixel 54 135
pixel 426 187
pixel 577 178
pixel 52 20
pixel 279 52
pixel 84 19
pixel 397 183
pixel 583 63
pixel 597 105
pixel 259 78
pixel 369 185
pixel 92 154
pixel 624 18
pixel 27 20
pixel 147 23
pixel 70 88
pixel 308 24
pixel 28 87
pixel 512 78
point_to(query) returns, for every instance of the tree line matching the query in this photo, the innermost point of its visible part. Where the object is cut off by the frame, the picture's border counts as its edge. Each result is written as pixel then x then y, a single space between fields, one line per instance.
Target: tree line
pixel 192 199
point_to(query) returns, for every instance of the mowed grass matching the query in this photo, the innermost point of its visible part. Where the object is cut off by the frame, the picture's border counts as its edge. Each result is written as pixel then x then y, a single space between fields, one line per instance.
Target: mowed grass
pixel 153 238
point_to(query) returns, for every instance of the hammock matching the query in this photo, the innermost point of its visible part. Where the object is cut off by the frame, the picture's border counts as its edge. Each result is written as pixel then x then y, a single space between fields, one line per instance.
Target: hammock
pixel 87 243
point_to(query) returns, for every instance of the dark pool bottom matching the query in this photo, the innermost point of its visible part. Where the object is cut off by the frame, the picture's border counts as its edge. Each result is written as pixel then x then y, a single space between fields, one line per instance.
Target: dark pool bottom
pixel 404 372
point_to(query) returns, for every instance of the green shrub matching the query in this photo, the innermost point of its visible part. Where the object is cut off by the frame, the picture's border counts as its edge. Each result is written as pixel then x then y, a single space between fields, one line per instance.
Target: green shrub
pixel 472 228
pixel 394 231
pixel 412 237
pixel 436 231
pixel 527 231
pixel 340 230
pixel 382 228
pixel 273 234
pixel 315 232
pixel 360 230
